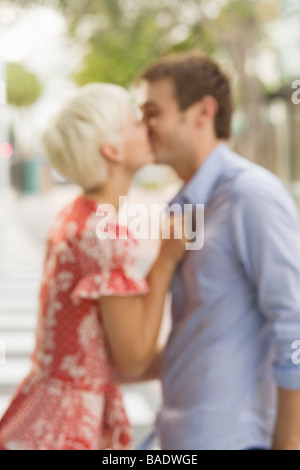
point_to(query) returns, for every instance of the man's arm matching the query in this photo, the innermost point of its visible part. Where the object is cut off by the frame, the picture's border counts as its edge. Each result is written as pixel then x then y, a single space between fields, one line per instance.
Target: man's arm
pixel 266 232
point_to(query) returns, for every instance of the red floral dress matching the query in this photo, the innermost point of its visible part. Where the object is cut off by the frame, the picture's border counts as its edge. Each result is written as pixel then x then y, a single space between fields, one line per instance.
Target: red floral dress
pixel 69 400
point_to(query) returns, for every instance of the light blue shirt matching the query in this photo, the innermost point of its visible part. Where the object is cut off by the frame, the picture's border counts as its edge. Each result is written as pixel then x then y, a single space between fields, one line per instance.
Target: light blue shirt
pixel 235 311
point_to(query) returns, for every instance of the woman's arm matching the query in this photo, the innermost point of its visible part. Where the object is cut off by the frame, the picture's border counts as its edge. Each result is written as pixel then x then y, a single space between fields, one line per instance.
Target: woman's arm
pixel 132 323
pixel 151 373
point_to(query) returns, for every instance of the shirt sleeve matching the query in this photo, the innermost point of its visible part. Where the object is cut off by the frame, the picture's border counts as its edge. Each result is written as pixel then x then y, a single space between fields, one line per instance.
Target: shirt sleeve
pixel 109 267
pixel 267 235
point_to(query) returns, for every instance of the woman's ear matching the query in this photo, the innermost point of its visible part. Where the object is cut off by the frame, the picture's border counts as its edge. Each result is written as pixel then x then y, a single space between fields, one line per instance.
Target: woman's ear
pixel 111 152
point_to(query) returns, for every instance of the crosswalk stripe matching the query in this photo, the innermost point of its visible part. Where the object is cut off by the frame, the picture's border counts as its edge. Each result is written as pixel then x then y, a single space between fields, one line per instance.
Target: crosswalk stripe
pixel 16 268
pixel 17 321
pixel 18 342
pixel 4 402
pixel 14 370
pixel 14 304
pixel 23 290
pixel 21 276
pixel 19 281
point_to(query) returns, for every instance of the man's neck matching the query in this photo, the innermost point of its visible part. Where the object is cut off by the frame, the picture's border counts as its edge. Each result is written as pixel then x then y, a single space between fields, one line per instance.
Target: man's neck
pixel 203 152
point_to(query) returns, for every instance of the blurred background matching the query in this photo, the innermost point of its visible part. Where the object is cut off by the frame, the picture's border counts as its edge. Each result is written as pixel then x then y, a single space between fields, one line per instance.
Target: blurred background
pixel 50 47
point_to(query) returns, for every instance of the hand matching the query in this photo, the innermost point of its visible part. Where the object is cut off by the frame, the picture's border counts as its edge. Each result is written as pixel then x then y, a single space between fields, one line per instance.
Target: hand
pixel 173 241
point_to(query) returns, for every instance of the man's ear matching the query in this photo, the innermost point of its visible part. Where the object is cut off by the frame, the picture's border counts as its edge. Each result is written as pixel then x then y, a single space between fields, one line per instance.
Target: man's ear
pixel 207 109
pixel 111 152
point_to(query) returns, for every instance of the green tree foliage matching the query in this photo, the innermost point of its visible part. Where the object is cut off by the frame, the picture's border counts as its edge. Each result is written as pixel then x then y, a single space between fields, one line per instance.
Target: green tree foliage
pixel 119 52
pixel 130 34
pixel 120 37
pixel 23 87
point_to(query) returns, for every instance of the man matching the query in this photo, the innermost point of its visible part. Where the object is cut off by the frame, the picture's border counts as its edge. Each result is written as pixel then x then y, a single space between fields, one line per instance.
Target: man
pixel 228 375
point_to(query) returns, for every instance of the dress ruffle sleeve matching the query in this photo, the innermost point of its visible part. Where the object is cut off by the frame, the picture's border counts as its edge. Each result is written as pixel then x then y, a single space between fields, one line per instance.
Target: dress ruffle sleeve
pixel 109 265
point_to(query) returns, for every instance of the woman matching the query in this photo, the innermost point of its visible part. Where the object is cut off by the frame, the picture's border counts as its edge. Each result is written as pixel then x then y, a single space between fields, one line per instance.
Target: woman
pixel 96 310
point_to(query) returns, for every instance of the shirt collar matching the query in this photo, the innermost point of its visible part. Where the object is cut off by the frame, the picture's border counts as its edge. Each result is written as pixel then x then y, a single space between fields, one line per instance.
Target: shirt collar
pixel 200 188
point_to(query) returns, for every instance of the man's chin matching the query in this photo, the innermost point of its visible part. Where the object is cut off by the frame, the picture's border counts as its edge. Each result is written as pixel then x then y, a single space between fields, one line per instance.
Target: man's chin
pixel 161 159
pixel 157 157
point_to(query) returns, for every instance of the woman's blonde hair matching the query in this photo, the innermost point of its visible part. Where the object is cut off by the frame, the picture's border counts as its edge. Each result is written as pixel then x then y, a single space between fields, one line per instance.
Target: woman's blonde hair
pixel 96 114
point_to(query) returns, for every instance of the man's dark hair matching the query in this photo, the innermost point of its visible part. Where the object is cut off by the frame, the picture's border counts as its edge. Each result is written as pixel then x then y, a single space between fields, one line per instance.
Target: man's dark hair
pixel 195 76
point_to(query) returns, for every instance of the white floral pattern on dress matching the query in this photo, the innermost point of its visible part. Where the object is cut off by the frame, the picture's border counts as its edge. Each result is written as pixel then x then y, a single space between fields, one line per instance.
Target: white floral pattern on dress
pixel 71 364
